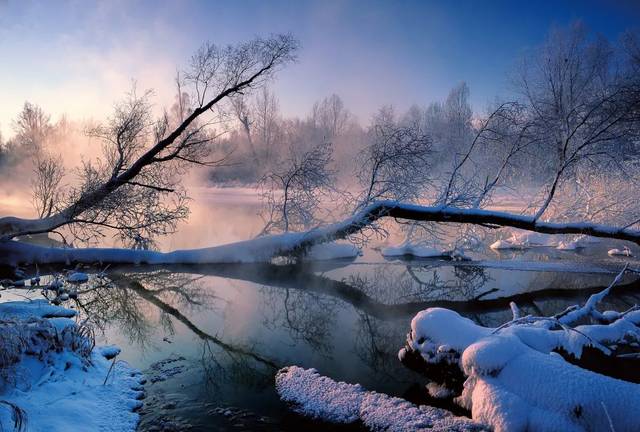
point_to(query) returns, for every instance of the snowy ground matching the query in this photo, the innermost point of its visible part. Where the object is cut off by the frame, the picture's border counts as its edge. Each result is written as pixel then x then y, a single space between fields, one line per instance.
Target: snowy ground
pixel 71 389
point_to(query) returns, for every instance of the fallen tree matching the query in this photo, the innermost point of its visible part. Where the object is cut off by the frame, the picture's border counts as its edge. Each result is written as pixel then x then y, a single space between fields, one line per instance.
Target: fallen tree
pixel 264 249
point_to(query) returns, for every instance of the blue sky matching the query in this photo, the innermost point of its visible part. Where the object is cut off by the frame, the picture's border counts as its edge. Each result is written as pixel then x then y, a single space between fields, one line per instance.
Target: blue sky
pixel 79 57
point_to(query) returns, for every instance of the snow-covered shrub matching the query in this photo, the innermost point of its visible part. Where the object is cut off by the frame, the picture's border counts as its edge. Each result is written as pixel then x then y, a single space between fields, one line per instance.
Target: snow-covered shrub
pixel 39 337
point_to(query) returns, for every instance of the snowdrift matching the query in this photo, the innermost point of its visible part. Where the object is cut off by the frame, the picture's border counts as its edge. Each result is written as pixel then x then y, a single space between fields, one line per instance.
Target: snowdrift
pixel 56 380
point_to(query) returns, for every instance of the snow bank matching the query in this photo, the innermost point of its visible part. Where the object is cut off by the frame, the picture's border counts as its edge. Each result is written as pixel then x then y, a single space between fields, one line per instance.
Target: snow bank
pixel 67 388
pixel 410 249
pixel 515 380
pixel 620 252
pixel 329 251
pixel 570 245
pixel 322 398
pixel 579 242
pixel 533 239
pixel 524 239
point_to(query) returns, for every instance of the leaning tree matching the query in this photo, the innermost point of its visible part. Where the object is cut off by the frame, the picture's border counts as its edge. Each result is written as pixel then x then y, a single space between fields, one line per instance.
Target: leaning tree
pixel 134 187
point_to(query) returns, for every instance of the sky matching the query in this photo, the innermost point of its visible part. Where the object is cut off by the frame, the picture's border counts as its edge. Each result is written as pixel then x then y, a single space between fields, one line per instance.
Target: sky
pixel 79 57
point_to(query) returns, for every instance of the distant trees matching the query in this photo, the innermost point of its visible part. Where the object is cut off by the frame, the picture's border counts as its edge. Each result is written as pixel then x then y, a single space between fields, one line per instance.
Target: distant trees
pixel 32 129
pixel 330 116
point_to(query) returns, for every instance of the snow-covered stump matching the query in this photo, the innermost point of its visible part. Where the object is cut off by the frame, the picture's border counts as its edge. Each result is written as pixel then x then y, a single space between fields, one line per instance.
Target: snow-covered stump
pixel 533 373
pixel 321 398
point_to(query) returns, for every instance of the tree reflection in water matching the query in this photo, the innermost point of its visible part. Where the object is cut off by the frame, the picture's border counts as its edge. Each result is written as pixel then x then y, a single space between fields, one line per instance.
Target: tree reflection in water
pixel 305 306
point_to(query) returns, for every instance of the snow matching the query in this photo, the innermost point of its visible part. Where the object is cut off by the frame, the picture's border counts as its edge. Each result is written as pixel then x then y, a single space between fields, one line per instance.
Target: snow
pixel 513 387
pixel 63 389
pixel 429 335
pixel 515 380
pixel 579 242
pixel 415 250
pixel 525 239
pixel 570 245
pixel 504 245
pixel 330 251
pixel 39 308
pixel 531 239
pixel 620 252
pixel 77 277
pixel 108 351
pixel 322 398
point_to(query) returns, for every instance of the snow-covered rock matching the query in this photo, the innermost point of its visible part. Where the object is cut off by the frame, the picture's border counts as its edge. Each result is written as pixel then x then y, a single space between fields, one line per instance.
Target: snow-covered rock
pixel 322 398
pixel 39 308
pixel 533 239
pixel 579 242
pixel 570 245
pixel 520 239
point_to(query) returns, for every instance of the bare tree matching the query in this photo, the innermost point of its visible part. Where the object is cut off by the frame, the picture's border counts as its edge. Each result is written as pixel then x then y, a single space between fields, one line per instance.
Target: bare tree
pixel 396 163
pixel 46 184
pixel 266 123
pixel 32 127
pixel 330 116
pixel 244 115
pixel 135 185
pixel 293 193
pixel 576 101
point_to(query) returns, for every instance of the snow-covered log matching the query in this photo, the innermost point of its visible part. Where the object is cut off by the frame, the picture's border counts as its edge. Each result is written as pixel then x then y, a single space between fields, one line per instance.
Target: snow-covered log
pixel 263 249
pixel 535 373
pixel 322 398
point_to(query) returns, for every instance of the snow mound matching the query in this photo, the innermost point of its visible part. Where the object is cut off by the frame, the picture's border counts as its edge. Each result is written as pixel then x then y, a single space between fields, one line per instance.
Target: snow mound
pixel 517 382
pixel 415 250
pixel 571 245
pixel 39 308
pixel 620 252
pixel 579 242
pixel 58 384
pixel 532 239
pixel 525 239
pixel 329 251
pixel 322 398
pixel 77 277
pixel 504 245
